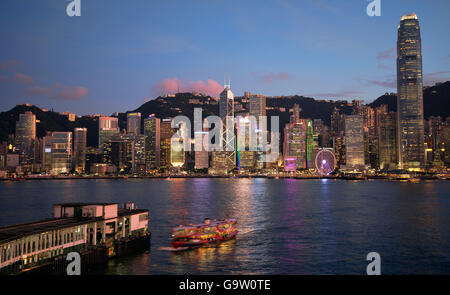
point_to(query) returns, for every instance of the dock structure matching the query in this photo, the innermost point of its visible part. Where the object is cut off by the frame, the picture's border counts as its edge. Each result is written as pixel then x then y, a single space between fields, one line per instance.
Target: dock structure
pixel 75 227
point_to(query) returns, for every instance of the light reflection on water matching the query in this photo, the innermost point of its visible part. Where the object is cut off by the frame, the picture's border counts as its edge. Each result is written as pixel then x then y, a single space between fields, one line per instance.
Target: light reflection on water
pixel 285 226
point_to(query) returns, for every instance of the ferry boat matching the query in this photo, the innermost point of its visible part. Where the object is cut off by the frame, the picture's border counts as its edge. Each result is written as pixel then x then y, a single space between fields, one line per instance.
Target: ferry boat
pixel 194 235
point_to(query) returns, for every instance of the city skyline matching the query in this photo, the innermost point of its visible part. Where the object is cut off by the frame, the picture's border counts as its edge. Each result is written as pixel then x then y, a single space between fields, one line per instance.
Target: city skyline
pixel 69 70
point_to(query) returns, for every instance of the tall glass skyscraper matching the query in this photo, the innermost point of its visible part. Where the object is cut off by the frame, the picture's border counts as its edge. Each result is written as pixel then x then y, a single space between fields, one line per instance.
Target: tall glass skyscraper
pixel 79 150
pixel 134 123
pixel 25 137
pixel 152 129
pixel 410 94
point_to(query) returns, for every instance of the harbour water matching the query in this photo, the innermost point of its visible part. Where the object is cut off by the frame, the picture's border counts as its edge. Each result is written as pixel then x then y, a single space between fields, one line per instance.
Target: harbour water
pixel 286 226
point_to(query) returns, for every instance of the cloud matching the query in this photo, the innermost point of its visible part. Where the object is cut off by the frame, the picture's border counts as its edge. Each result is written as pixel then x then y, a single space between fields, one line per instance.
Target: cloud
pixel 387 83
pixel 38 91
pixel 58 91
pixel 7 65
pixel 23 79
pixel 271 77
pixel 174 85
pixel 339 94
pixel 70 92
pixel 386 56
pixel 433 78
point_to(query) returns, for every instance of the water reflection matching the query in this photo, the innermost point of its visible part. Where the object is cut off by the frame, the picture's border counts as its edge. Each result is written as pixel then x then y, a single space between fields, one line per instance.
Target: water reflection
pixel 285 226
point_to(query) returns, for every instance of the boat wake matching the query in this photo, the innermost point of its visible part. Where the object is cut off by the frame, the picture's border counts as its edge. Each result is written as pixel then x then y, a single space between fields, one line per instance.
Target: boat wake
pixel 172 249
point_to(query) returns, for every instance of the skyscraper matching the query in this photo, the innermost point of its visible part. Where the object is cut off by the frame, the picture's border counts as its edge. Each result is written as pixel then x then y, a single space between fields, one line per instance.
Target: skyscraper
pixel 410 94
pixel 226 160
pixel 166 133
pixel 388 150
pixel 152 142
pixel 25 136
pixel 79 150
pixel 257 106
pixel 107 128
pixel 354 142
pixel 295 146
pixel 134 123
pixel 61 152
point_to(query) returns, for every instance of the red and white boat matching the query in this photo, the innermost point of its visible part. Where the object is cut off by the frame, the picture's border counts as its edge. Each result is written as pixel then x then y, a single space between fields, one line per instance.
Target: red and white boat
pixel 193 235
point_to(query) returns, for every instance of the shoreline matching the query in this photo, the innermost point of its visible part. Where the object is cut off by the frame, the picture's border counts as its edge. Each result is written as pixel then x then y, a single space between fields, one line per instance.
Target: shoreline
pixel 371 177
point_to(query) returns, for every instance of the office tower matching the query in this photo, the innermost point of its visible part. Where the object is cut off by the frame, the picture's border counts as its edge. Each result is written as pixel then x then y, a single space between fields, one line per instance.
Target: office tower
pixel 295 118
pixel 410 94
pixel 140 157
pixel 226 160
pixel 257 109
pixel 382 109
pixel 178 145
pixel 436 141
pixel 201 142
pixel 152 129
pixel 339 151
pixel 226 103
pixel 245 156
pixel 354 142
pixel 61 152
pixel 166 133
pixel 357 108
pixel 295 146
pixel 257 106
pixel 134 123
pixel 79 150
pixel 388 150
pixel 25 137
pixel 446 142
pixel 370 137
pixel 309 142
pixel 107 128
pixel 335 117
pixel 47 142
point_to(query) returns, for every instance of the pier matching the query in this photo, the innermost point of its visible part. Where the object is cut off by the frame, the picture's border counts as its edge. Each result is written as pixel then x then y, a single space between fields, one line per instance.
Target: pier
pixel 97 231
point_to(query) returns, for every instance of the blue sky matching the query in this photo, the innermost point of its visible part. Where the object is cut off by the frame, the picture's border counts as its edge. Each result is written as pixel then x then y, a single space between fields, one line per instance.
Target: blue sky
pixel 118 54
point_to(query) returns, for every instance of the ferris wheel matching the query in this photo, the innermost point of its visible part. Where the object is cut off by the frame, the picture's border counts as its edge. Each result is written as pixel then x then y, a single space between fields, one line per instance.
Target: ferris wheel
pixel 325 161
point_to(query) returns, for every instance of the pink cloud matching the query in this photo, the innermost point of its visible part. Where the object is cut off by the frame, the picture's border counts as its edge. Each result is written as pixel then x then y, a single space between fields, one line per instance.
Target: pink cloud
pixel 38 91
pixel 58 91
pixel 70 93
pixel 272 77
pixel 22 78
pixel 174 85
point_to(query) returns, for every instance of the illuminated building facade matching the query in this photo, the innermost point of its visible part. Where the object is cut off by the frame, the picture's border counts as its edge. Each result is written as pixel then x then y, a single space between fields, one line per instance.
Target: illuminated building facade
pixel 107 128
pixel 354 142
pixel 25 137
pixel 152 129
pixel 134 123
pixel 79 150
pixel 295 144
pixel 410 94
pixel 166 133
pixel 388 150
pixel 61 152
